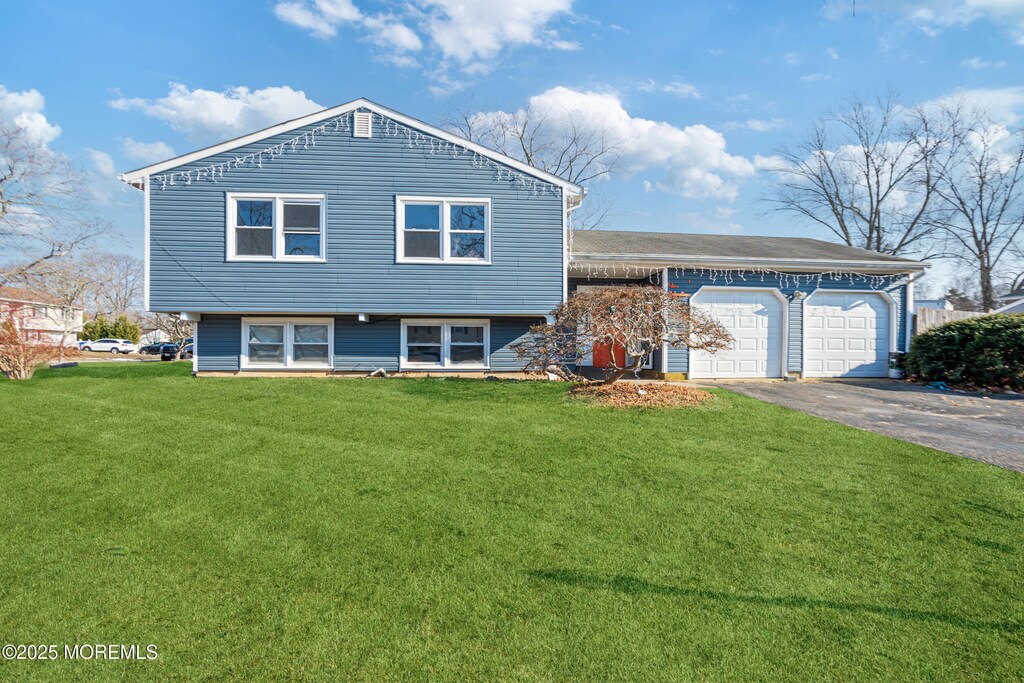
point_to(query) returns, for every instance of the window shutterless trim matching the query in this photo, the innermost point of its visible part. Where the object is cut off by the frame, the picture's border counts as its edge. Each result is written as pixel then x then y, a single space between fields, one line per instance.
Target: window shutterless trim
pixel 445 324
pixel 279 199
pixel 289 341
pixel 444 256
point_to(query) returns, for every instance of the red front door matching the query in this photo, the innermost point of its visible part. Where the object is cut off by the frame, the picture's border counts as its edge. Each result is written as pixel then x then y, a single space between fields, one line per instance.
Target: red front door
pixel 603 355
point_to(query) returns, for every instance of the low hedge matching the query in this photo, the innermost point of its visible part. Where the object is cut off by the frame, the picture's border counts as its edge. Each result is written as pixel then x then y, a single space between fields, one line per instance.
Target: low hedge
pixel 987 351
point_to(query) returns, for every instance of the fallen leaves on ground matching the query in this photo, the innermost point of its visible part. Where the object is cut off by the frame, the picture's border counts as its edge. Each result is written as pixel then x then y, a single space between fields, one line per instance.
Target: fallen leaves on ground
pixel 632 394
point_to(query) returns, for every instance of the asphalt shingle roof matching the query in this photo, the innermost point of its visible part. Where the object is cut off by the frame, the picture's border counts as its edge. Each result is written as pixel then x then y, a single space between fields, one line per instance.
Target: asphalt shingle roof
pixel 626 242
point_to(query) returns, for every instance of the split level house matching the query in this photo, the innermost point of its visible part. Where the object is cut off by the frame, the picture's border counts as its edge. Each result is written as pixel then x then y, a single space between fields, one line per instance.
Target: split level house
pixel 360 238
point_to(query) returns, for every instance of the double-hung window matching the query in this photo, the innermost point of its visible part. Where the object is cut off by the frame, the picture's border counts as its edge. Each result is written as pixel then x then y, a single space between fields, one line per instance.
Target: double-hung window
pixel 443 230
pixel 445 344
pixel 279 343
pixel 276 227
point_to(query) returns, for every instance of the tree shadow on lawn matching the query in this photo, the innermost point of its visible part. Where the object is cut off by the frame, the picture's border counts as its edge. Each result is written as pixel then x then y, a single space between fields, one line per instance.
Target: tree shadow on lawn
pixel 634 586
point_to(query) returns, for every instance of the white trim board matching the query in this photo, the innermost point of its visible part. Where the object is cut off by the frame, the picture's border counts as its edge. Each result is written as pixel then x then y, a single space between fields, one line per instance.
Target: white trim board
pixel 138 177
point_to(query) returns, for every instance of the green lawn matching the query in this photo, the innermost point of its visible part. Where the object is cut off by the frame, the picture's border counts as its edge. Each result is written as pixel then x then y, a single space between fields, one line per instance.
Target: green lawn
pixel 466 530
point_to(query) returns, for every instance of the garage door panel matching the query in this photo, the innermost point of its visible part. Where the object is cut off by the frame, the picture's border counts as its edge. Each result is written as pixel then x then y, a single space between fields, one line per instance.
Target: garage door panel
pixel 755 319
pixel 846 335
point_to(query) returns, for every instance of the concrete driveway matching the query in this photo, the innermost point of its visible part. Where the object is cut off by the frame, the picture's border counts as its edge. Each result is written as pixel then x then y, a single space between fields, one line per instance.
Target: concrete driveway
pixel 986 429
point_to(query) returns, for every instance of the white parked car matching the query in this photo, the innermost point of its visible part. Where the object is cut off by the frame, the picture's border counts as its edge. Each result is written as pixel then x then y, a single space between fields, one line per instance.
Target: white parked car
pixel 109 345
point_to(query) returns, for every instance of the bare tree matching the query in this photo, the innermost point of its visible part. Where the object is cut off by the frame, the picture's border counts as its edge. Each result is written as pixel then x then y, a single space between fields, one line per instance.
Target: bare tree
pixel 564 145
pixel 630 322
pixel 43 210
pixel 176 329
pixel 981 184
pixel 867 174
pixel 116 283
pixel 67 283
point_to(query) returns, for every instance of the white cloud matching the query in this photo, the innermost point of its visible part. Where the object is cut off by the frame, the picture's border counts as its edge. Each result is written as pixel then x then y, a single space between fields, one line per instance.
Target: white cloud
pixel 674 88
pixel 692 160
pixel 934 16
pixel 813 78
pixel 468 33
pixel 832 53
pixel 757 125
pixel 388 33
pixel 978 63
pixel 467 30
pixel 320 17
pixel 207 114
pixel 791 58
pixel 1005 105
pixel 25 110
pixel 102 161
pixel 682 90
pixel 146 152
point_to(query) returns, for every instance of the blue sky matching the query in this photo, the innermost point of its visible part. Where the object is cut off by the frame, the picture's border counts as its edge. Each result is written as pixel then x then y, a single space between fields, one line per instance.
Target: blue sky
pixel 702 92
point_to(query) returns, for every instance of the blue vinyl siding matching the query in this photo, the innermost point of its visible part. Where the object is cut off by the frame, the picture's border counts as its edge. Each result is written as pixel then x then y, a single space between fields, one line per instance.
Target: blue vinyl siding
pixel 358 347
pixel 360 178
pixel 218 342
pixel 690 281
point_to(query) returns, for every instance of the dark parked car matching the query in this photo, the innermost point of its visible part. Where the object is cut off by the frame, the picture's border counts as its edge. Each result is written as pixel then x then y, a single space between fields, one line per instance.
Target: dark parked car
pixel 186 352
pixel 151 349
pixel 168 352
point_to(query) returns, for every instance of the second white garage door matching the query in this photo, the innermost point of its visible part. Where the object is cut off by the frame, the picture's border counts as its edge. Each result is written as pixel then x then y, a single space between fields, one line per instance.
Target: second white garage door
pixel 847 334
pixel 755 319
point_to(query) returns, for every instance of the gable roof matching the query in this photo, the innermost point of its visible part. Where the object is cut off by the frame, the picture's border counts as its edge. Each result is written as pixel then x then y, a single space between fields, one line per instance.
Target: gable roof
pixel 666 247
pixel 1015 306
pixel 137 177
pixel 28 296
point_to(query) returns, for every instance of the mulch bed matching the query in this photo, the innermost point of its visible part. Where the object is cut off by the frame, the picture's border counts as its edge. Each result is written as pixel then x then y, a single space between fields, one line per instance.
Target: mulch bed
pixel 633 395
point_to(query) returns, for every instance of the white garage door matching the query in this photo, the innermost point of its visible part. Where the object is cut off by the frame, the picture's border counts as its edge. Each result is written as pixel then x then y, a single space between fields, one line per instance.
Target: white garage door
pixel 846 334
pixel 755 320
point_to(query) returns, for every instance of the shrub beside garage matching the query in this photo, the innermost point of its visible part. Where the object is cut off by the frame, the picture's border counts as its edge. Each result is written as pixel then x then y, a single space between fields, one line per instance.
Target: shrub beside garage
pixel 987 351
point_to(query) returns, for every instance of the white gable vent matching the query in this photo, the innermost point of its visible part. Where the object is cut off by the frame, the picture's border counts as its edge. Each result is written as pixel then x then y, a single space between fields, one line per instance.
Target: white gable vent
pixel 362 126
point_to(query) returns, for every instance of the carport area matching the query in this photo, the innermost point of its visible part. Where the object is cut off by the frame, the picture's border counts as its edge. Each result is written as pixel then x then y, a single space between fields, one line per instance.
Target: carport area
pixel 982 428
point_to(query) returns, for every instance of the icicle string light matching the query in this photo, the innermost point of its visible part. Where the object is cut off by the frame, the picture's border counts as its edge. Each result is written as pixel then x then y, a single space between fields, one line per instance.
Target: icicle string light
pixel 386 126
pixel 728 276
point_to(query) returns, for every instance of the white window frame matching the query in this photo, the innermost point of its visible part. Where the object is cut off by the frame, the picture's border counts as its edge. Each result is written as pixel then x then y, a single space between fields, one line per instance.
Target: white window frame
pixel 289 341
pixel 446 202
pixel 445 324
pixel 279 200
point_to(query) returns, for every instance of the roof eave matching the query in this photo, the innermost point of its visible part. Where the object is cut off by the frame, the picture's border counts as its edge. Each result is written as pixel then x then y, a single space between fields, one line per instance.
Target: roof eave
pixel 137 177
pixel 727 262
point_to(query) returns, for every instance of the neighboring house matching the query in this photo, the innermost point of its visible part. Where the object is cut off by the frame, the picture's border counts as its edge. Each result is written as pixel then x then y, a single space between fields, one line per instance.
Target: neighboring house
pixel 941 304
pixel 152 335
pixel 359 238
pixel 41 317
pixel 1012 302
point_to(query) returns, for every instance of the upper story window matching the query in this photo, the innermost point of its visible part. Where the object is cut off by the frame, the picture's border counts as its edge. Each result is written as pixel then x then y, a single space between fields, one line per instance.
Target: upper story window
pixel 443 230
pixel 276 227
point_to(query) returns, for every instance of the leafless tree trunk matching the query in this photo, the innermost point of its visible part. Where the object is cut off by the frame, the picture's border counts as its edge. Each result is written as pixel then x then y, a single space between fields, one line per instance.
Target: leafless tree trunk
pixel 176 329
pixel 981 184
pixel 867 174
pixel 44 214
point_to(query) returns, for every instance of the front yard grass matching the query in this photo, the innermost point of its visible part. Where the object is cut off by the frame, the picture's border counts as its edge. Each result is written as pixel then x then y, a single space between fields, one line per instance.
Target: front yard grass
pixel 464 530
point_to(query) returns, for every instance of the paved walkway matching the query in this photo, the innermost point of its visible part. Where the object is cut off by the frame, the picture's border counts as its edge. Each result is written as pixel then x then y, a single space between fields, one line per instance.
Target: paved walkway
pixel 986 429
